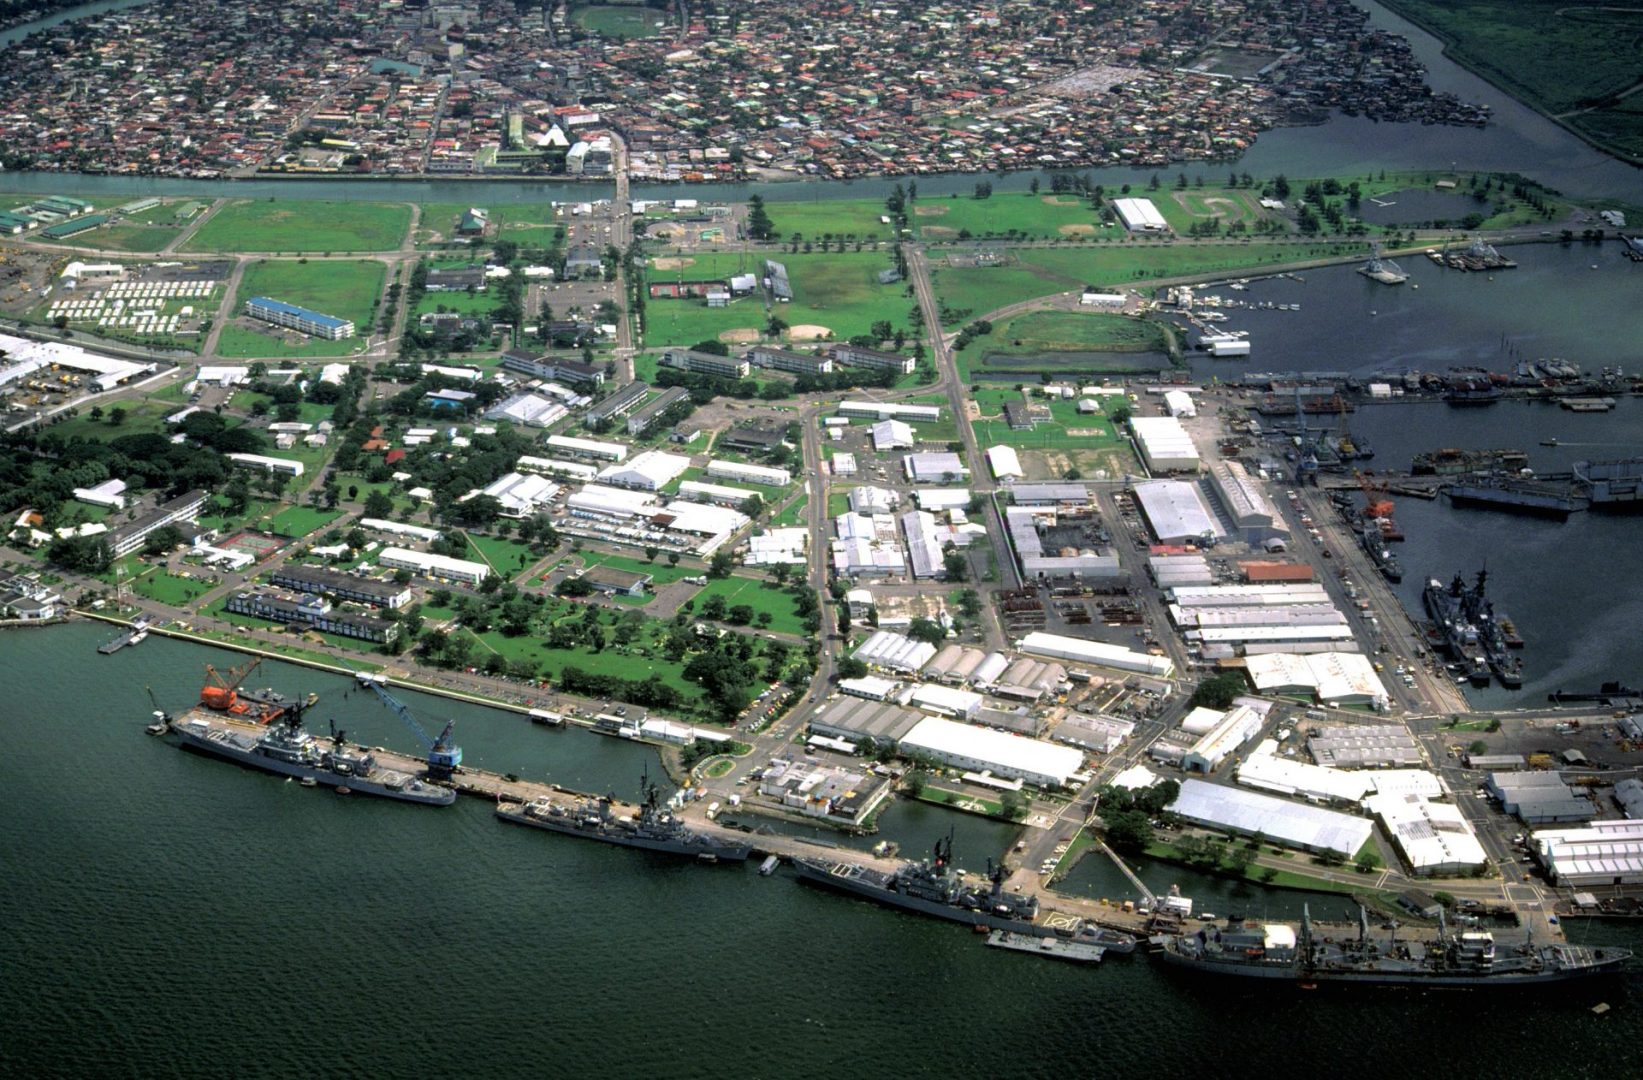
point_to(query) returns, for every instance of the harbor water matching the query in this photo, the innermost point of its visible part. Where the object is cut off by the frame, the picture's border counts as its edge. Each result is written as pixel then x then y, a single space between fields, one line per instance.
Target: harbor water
pixel 169 915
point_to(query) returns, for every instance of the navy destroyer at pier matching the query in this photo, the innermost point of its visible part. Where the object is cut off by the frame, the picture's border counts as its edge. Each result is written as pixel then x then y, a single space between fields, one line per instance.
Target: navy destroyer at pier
pixel 653 829
pixel 1480 638
pixel 931 887
pixel 282 747
pixel 1468 959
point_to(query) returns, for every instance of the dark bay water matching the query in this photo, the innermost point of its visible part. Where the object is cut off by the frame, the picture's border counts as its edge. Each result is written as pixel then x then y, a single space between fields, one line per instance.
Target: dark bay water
pixel 171 916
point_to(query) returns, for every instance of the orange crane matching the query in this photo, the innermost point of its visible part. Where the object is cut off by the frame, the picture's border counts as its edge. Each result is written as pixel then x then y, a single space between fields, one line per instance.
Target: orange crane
pixel 1376 503
pixel 220 692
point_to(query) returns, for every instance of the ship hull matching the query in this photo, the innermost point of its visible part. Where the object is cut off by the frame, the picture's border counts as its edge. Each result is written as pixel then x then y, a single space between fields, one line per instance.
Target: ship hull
pixel 708 849
pixel 817 875
pixel 1294 974
pixel 429 795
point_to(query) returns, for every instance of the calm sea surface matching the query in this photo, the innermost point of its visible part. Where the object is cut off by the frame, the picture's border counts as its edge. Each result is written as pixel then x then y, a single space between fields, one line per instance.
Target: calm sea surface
pixel 168 915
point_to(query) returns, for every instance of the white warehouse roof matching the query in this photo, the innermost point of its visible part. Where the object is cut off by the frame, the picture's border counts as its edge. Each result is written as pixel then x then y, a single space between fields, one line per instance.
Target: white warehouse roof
pixel 1165 445
pixel 1003 753
pixel 758 474
pixel 648 471
pixel 1005 463
pixel 895 651
pixel 1040 643
pixel 1309 827
pixel 1176 511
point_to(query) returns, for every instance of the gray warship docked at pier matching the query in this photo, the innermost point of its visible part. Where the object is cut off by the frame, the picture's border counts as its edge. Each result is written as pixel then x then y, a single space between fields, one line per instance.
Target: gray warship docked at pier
pixel 1467 959
pixel 653 829
pixel 931 887
pixel 284 748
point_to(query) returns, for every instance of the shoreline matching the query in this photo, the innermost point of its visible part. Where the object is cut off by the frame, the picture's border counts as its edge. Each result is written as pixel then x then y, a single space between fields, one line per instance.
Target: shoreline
pixel 1453 54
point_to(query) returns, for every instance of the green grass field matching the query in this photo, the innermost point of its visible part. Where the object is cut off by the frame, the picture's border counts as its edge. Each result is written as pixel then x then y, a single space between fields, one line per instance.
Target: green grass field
pixel 1005 214
pixel 1037 272
pixel 619 21
pixel 1063 341
pixel 853 219
pixel 838 293
pixel 792 516
pixel 346 289
pixel 1068 429
pixel 526 224
pixel 142 238
pixel 293 226
pixel 506 556
pixel 761 596
pixel 169 589
pixel 295 521
pixel 660 571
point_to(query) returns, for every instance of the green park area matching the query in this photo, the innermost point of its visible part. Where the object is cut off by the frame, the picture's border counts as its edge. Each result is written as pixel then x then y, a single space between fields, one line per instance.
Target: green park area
pixel 1012 215
pixel 138 238
pixel 830 219
pixel 344 289
pixel 298 521
pixel 1072 344
pixel 298 226
pixel 1576 63
pixel 835 297
pixel 170 589
pixel 761 597
pixel 661 571
pixel 970 291
pixel 507 557
pixel 530 225
pixel 619 21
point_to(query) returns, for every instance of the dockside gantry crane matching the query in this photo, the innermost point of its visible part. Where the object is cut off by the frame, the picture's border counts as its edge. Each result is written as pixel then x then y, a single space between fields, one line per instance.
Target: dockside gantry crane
pixel 444 757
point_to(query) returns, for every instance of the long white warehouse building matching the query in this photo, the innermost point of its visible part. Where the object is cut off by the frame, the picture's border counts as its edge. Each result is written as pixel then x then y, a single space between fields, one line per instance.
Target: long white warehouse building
pixel 1164 444
pixel 1013 757
pixel 1079 650
pixel 753 474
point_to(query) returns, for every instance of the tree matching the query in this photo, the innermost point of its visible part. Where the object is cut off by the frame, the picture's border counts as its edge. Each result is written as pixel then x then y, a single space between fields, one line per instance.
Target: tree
pixel 721 564
pixel 851 668
pixel 378 504
pixel 162 540
pixel 1367 861
pixel 1477 746
pixel 740 615
pixel 714 607
pixel 915 783
pixel 651 551
pixel 926 630
pixel 1128 829
pixel 955 564
pixel 1217 691
pixel 759 225
pixel 117 415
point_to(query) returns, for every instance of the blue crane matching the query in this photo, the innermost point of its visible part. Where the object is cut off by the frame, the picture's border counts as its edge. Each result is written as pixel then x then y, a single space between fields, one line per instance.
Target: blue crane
pixel 444 757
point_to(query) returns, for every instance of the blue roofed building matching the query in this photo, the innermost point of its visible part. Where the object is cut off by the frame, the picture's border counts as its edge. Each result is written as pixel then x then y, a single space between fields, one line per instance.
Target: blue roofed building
pixel 309 322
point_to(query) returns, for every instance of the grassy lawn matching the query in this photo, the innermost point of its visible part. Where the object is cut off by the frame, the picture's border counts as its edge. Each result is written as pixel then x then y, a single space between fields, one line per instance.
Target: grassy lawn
pixel 289 651
pixel 793 516
pixel 1062 341
pixel 1167 852
pixel 1028 273
pixel 529 225
pixel 216 517
pixel 125 238
pixel 140 417
pixel 970 804
pixel 838 292
pixel 761 596
pixel 853 219
pixel 1067 430
pixel 1006 214
pixel 507 557
pixel 340 288
pixel 619 22
pixel 295 521
pixel 170 589
pixel 660 571
pixel 298 226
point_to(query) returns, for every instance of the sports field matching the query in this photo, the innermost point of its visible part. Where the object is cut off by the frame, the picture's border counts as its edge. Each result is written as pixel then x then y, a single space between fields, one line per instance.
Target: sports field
pixel 296 227
pixel 1013 214
pixel 530 225
pixel 624 21
pixel 852 219
pixel 346 289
